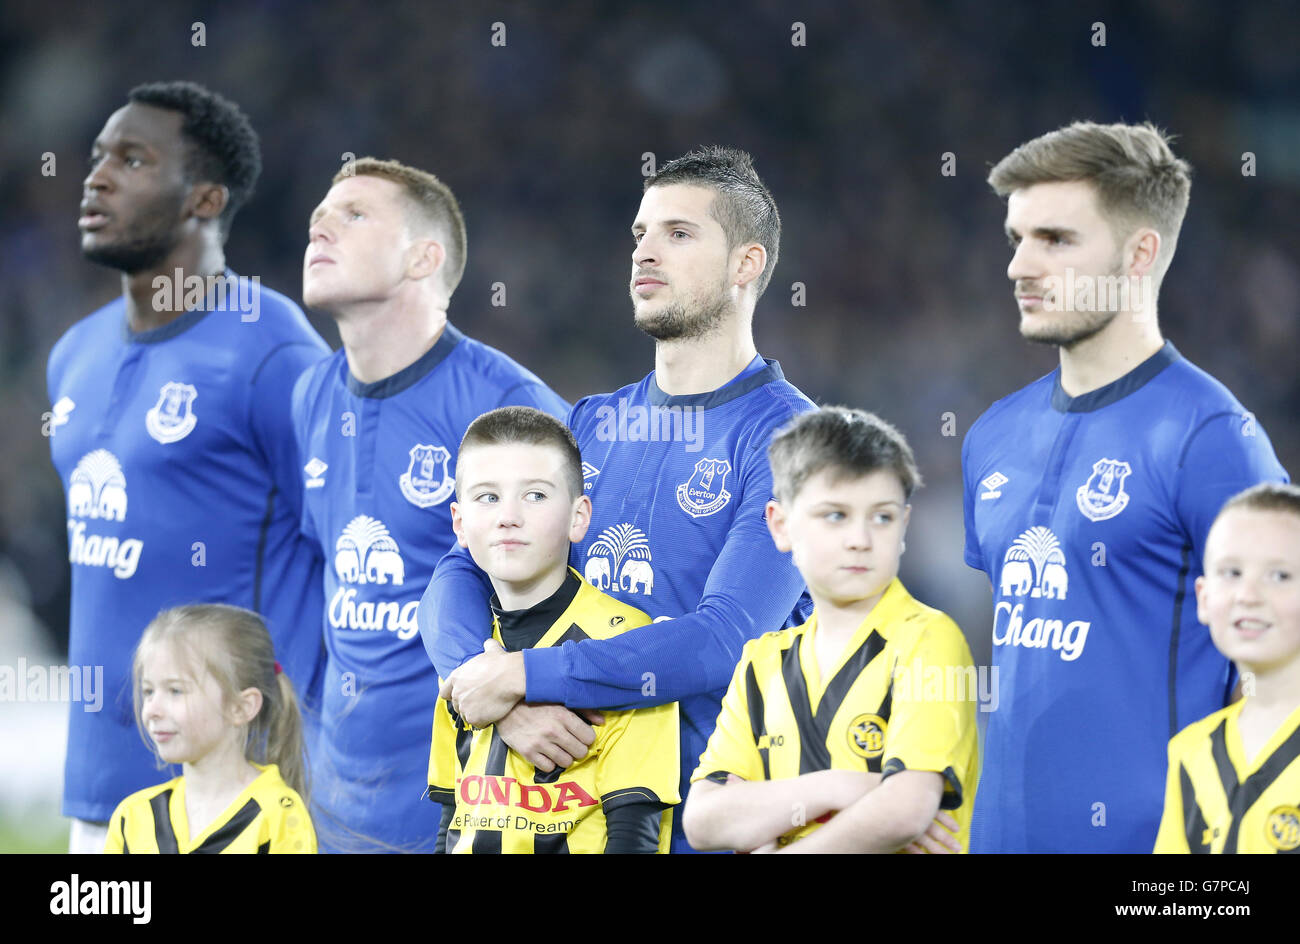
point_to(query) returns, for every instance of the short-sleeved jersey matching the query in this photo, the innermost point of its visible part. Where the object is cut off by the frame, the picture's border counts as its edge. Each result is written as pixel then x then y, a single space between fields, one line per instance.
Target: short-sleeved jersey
pixel 176 453
pixel 1089 514
pixel 1218 800
pixel 268 816
pixel 902 697
pixel 504 805
pixel 378 474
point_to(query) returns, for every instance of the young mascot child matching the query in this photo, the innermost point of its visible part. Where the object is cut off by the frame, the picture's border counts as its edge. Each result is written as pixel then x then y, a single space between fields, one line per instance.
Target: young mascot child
pixel 210 696
pixel 519 504
pixel 1234 777
pixel 851 732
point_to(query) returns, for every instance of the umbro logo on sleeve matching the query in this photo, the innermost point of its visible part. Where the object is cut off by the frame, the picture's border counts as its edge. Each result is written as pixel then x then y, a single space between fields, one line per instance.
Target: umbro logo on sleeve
pixel 993 485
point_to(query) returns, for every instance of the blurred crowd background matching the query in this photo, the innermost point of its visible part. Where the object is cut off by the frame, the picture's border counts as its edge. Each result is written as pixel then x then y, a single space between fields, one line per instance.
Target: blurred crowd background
pixel 908 309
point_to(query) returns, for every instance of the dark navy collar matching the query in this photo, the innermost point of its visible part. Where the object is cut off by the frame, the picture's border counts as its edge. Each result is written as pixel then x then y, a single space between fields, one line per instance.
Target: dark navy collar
pixel 729 391
pixel 522 629
pixel 178 325
pixel 407 376
pixel 1117 390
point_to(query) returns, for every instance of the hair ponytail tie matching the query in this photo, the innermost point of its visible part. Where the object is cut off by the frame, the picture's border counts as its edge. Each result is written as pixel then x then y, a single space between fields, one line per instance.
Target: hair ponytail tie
pixel 278 670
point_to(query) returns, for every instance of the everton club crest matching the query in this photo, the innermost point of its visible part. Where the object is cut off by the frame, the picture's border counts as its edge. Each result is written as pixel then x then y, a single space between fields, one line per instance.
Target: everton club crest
pixel 426 481
pixel 1103 495
pixel 706 490
pixel 172 417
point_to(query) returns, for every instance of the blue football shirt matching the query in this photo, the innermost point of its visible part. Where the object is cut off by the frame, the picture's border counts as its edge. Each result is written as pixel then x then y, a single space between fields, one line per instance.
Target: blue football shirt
pixel 1089 514
pixel 379 462
pixel 176 453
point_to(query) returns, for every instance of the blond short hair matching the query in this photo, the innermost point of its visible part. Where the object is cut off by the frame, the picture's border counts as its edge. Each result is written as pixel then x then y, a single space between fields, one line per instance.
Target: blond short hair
pixel 1137 178
pixel 431 204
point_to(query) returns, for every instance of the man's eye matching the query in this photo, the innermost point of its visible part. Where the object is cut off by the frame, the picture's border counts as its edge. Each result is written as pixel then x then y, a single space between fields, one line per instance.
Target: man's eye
pixel 134 162
pixel 636 237
pixel 834 516
pixel 884 518
pixel 536 496
pixel 1281 575
pixel 678 232
pixel 487 498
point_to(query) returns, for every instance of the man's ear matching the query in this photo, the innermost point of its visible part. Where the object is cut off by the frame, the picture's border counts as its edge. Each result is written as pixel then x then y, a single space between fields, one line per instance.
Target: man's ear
pixel 753 261
pixel 778 525
pixel 207 201
pixel 426 259
pixel 1141 251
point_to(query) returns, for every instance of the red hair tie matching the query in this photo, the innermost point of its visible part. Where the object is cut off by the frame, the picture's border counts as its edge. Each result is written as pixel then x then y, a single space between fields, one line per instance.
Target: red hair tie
pixel 278 670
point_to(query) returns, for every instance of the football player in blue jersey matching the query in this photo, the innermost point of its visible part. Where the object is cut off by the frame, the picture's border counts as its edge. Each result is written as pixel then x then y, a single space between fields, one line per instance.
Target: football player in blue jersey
pixel 1088 498
pixel 378 425
pixel 170 423
pixel 676 469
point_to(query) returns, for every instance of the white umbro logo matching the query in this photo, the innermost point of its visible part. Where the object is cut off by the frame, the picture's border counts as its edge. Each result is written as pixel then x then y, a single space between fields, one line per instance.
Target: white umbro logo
pixel 61 411
pixel 993 484
pixel 589 472
pixel 315 469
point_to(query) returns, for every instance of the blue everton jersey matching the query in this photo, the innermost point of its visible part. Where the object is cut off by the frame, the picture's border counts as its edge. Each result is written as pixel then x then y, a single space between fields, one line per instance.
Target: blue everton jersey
pixel 176 452
pixel 378 470
pixel 678 486
pixel 1089 514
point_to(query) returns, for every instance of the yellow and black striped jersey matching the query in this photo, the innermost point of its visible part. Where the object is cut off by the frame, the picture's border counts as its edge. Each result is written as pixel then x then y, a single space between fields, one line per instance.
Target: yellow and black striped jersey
pixel 901 698
pixel 268 816
pixel 1217 800
pixel 502 804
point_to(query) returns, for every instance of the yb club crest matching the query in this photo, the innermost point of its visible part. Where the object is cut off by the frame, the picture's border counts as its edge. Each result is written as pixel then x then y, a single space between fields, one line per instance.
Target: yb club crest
pixel 1103 495
pixel 172 417
pixel 426 481
pixel 867 736
pixel 705 492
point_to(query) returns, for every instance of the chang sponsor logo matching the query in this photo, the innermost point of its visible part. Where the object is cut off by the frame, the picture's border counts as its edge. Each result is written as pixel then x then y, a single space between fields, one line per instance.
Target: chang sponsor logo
pixel 1035 567
pixel 620 560
pixel 365 553
pixel 97 491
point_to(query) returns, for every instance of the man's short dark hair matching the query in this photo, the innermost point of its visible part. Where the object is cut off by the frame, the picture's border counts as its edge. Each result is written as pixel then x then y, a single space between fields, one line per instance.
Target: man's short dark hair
pixel 849 443
pixel 743 207
pixel 508 425
pixel 221 145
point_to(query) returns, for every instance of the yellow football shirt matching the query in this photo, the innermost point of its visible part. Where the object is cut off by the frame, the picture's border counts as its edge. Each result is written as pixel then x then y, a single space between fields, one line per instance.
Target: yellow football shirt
pixel 902 697
pixel 1217 800
pixel 504 805
pixel 268 816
